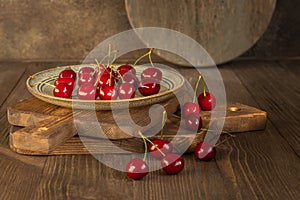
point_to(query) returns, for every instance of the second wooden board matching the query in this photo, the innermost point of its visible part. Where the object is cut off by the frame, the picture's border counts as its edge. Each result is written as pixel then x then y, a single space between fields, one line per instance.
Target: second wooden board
pixel 226 29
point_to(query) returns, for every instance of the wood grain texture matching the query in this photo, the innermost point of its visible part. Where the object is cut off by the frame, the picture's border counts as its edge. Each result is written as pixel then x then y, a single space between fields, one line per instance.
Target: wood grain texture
pixel 276 98
pixel 225 29
pixel 256 165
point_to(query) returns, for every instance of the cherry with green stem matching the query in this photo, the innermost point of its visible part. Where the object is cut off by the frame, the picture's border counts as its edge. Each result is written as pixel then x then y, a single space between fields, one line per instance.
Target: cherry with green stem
pixel 157 144
pixel 136 168
pixel 192 107
pixel 207 101
pixel 143 56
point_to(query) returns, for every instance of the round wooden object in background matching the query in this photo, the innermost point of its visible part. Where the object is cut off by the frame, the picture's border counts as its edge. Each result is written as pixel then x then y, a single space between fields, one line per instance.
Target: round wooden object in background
pixel 225 28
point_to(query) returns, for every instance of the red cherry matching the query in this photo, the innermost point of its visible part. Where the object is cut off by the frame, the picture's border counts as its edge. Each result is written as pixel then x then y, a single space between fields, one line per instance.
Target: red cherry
pixel 205 151
pixel 67 73
pixel 152 72
pixel 106 80
pixel 131 78
pixel 207 101
pixel 108 93
pixel 62 90
pixel 69 81
pixel 126 91
pixel 164 145
pixel 123 69
pixel 148 87
pixel 172 164
pixel 86 70
pixel 86 79
pixel 189 108
pixel 137 169
pixel 87 92
pixel 193 122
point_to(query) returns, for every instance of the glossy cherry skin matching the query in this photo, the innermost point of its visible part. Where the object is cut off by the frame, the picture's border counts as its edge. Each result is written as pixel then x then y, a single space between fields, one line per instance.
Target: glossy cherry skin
pixel 86 78
pixel 69 81
pixel 62 90
pixel 67 73
pixel 193 122
pixel 86 70
pixel 87 92
pixel 108 93
pixel 137 169
pixel 126 91
pixel 172 164
pixel 148 87
pixel 207 101
pixel 123 69
pixel 189 108
pixel 109 70
pixel 164 145
pixel 131 78
pixel 152 72
pixel 106 80
pixel 205 151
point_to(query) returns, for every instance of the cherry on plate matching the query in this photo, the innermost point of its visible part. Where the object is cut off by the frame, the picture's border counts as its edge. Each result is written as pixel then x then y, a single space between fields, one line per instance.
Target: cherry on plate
pixel 62 90
pixel 108 93
pixel 131 78
pixel 153 73
pixel 87 92
pixel 205 151
pixel 148 87
pixel 86 78
pixel 67 73
pixel 172 164
pixel 123 69
pixel 126 91
pixel 137 169
pixel 69 81
pixel 106 80
pixel 86 70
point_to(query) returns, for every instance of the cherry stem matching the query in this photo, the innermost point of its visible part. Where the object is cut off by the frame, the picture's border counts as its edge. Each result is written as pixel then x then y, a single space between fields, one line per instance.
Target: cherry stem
pixel 143 56
pixel 150 59
pixel 145 138
pixel 196 88
pixel 204 92
pixel 115 56
pixel 120 75
pixel 146 149
pixel 109 51
pixel 114 51
pixel 163 124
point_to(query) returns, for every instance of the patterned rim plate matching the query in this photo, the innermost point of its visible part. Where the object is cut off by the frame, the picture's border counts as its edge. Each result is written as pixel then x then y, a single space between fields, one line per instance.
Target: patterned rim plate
pixel 39 85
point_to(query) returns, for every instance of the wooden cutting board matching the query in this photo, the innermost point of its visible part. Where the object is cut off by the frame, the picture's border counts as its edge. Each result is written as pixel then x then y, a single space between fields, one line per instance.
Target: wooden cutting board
pixel 226 29
pixel 50 129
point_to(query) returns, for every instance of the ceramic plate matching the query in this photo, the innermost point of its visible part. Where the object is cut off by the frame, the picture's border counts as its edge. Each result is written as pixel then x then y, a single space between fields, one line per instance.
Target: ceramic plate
pixel 40 83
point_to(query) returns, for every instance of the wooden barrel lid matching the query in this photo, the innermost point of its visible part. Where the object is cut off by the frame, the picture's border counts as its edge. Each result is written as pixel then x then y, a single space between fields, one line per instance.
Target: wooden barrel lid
pixel 226 29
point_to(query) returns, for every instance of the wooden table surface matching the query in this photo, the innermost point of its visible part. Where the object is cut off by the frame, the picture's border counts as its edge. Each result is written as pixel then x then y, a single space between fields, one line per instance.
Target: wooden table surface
pixel 253 165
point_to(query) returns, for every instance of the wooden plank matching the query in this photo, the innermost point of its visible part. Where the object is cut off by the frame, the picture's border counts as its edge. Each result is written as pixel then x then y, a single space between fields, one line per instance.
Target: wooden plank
pixel 281 95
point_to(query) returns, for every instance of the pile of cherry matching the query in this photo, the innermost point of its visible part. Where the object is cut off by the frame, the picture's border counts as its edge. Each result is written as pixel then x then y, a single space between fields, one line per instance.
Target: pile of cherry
pixel 162 149
pixel 107 83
